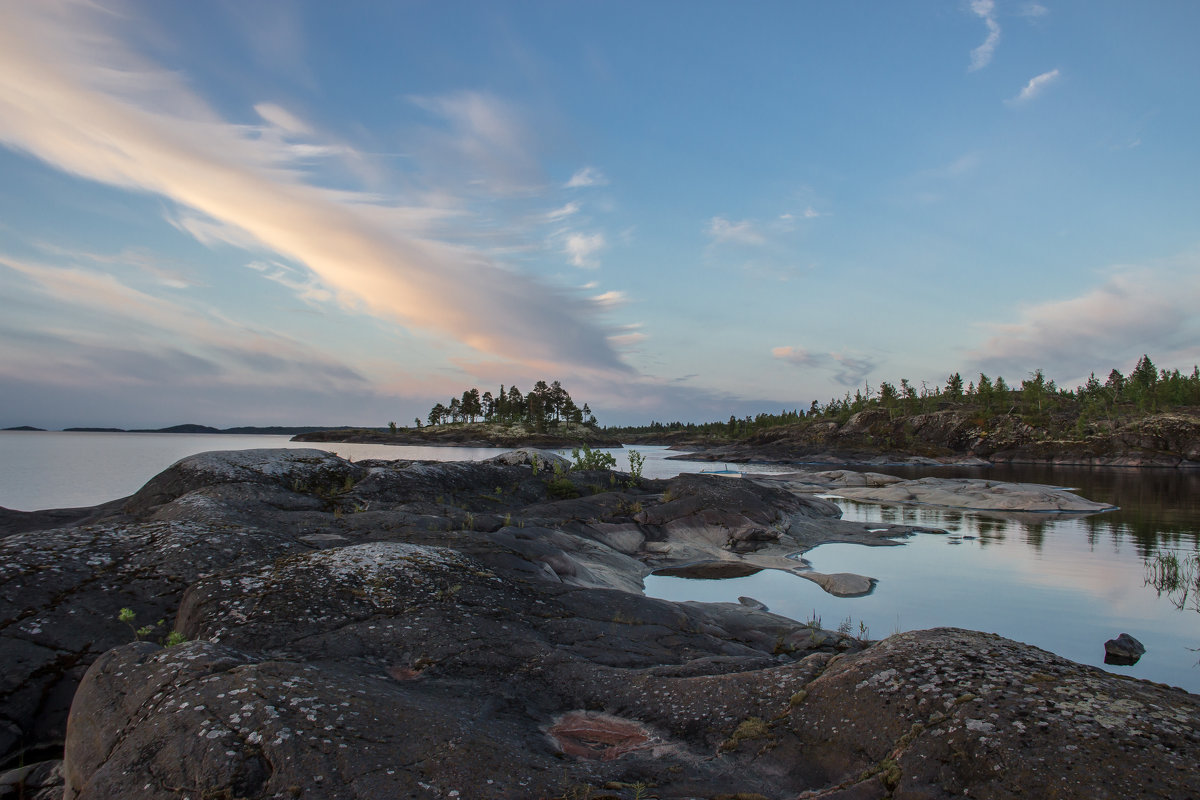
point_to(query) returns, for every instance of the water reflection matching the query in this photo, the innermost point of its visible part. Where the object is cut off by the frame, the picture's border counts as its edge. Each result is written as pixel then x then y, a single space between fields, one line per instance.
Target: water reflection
pixel 1064 583
pixel 1157 507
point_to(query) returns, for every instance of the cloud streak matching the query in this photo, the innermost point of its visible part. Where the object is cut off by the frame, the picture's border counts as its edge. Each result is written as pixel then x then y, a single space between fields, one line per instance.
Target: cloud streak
pixel 111 324
pixel 981 56
pixel 1035 86
pixel 846 369
pixel 77 98
pixel 725 231
pixel 587 176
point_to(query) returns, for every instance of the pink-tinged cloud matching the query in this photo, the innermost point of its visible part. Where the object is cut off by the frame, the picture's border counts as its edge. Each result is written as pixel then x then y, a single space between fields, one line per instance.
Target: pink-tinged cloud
pixel 797 356
pixel 77 98
pixel 109 323
pixel 1135 311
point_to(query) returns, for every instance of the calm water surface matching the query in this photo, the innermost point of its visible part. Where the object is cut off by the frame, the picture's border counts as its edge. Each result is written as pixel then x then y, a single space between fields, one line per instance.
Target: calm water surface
pixel 60 469
pixel 1062 584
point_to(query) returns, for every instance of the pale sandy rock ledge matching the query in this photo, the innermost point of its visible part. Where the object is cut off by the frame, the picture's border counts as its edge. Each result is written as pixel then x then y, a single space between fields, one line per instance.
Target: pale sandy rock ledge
pixel 978 495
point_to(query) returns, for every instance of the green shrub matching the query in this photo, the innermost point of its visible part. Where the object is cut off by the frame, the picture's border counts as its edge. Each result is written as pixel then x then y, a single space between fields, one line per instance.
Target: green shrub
pixel 587 458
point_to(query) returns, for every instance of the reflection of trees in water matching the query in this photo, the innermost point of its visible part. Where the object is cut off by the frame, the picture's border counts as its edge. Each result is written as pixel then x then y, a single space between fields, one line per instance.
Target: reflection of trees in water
pixel 1157 506
pixel 1035 534
pixel 1148 533
pixel 990 531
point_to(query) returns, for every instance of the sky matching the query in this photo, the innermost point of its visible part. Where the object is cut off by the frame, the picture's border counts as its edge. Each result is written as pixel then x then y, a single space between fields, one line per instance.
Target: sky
pixel 310 213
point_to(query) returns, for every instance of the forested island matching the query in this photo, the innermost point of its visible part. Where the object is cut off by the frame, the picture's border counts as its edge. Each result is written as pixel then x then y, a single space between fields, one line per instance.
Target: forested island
pixel 546 417
pixel 1149 418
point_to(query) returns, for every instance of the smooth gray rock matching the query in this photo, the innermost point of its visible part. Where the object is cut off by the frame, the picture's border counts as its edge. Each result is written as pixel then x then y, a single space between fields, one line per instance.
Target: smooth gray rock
pixel 977 494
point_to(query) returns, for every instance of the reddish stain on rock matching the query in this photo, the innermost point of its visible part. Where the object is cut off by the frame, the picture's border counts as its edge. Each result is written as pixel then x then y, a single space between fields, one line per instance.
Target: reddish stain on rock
pixel 597 736
pixel 404 673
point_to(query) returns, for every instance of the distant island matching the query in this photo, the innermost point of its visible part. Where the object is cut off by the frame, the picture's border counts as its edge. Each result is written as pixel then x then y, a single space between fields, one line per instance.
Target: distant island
pixel 471 434
pixel 1149 418
pixel 259 430
pixel 546 417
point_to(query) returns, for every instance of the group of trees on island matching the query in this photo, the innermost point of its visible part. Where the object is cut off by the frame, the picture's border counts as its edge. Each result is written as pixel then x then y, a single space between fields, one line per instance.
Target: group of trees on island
pixel 544 404
pixel 1146 389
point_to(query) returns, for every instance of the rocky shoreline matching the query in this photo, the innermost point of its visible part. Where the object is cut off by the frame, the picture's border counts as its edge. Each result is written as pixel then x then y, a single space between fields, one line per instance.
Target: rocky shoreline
pixel 478 629
pixel 874 438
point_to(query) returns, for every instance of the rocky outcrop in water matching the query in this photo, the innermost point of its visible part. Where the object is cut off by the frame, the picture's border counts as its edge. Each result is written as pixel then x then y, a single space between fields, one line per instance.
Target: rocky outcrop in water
pixel 409 629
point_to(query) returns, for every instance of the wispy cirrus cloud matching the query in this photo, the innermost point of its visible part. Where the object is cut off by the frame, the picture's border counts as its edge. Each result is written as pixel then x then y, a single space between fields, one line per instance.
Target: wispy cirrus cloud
pixel 722 231
pixel 1135 310
pixel 796 356
pixel 75 96
pixel 581 248
pixel 483 138
pixel 847 369
pixel 1035 86
pixel 110 322
pixel 981 56
pixel 586 176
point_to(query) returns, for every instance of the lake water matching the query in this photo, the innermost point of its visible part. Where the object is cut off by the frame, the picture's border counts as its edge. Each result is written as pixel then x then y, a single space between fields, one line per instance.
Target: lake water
pixel 1065 585
pixel 67 469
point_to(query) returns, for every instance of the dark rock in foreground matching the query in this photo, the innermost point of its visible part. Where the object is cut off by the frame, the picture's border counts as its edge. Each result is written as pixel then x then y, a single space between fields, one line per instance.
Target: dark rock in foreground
pixel 409 629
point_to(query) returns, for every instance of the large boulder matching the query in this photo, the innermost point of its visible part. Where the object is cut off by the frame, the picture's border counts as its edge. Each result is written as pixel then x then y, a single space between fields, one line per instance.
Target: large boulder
pixel 952 713
pixel 61 592
pixel 397 670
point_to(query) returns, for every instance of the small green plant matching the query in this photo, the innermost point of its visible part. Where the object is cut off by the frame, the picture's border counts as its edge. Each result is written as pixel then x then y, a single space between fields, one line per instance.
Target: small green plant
pixel 845 626
pixel 508 520
pixel 469 522
pixel 128 616
pixel 636 462
pixel 533 462
pixel 863 631
pixel 587 458
pixel 668 496
pixel 814 621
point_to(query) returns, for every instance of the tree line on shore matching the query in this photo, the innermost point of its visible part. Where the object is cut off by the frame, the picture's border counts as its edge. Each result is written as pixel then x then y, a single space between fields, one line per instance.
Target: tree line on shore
pixel 545 404
pixel 1036 400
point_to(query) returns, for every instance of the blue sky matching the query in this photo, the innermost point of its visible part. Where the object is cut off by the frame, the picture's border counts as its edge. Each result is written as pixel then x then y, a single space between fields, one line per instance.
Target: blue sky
pixel 317 213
